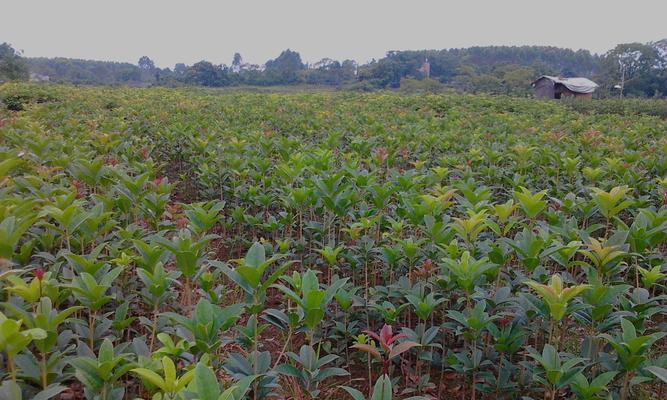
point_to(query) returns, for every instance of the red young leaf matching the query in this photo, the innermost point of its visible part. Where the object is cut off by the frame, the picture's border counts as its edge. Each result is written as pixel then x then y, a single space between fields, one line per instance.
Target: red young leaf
pixel 399 336
pixel 402 348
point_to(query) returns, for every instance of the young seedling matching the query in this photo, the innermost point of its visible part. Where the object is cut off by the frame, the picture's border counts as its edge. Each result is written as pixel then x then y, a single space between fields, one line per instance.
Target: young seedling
pixel 468 272
pixel 169 383
pixel 594 389
pixel 99 374
pixel 309 369
pixel 424 304
pixel 206 322
pixel 249 275
pixel 557 299
pixel 531 204
pixel 311 299
pixel 553 373
pixel 470 228
pixel 189 254
pixel 604 255
pixel 631 350
pixel 389 349
pixel 93 294
pixel 47 319
pixel 205 385
pixel 611 203
pixel 12 229
pixel 13 339
pixel 382 390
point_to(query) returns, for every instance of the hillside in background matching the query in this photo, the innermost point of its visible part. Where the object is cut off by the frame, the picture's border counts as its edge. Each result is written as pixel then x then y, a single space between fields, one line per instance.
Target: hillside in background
pixel 460 66
pixel 489 69
pixel 85 71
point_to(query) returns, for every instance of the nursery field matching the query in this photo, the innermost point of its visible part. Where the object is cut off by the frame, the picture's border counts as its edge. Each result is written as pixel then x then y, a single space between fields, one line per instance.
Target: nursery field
pixel 188 244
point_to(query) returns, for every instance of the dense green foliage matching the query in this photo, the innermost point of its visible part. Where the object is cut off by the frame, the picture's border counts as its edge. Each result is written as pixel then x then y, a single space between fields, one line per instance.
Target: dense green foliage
pixel 12 66
pixel 86 72
pixel 656 107
pixel 190 244
pixel 640 68
pixel 454 65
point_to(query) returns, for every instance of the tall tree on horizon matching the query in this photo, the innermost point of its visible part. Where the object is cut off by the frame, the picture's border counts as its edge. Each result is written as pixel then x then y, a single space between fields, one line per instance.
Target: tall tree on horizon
pixel 12 65
pixel 146 64
pixel 237 63
pixel 635 67
pixel 285 68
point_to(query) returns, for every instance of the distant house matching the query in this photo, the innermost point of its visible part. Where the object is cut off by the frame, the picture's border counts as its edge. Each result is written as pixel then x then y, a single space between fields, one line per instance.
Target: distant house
pixel 34 77
pixel 553 87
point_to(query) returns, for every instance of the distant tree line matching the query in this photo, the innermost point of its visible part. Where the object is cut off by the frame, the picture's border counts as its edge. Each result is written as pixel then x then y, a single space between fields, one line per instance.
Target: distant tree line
pixel 86 72
pixel 286 69
pixel 636 69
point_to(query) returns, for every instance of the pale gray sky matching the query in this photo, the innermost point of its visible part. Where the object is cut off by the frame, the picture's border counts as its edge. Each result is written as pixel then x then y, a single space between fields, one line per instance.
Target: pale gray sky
pixel 191 30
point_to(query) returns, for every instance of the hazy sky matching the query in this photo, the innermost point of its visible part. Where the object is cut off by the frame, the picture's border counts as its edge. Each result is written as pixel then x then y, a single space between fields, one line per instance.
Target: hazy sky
pixel 192 30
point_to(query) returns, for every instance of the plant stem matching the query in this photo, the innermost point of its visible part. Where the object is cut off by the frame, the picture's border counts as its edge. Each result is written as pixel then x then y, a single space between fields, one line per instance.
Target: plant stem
pixel 282 352
pixel 255 342
pixel 347 348
pixel 12 368
pixel 626 382
pixel 45 382
pixel 154 327
pixel 370 377
pixel 500 366
pixel 186 293
pixel 91 330
pixel 474 395
pixel 442 361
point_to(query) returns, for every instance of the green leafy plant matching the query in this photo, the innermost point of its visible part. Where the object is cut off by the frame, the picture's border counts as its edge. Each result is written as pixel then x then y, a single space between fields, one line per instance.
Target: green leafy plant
pixel 309 369
pixel 10 390
pixel 470 228
pixel 552 372
pixel 556 296
pixel 188 252
pixel 256 366
pixel 468 272
pixel 651 276
pixel 390 313
pixel 169 384
pixel 92 293
pixel 631 350
pixel 13 339
pixel 32 291
pixel 206 385
pixel 203 216
pixel 12 230
pixel 206 322
pixel 531 204
pixel 48 320
pixel 249 275
pixel 311 299
pixel 558 299
pixel 595 389
pixel 100 374
pixel 424 304
pixel 605 255
pixel 611 203
pixel 382 390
